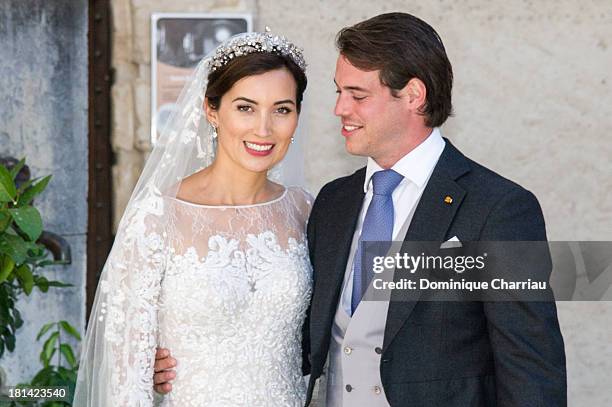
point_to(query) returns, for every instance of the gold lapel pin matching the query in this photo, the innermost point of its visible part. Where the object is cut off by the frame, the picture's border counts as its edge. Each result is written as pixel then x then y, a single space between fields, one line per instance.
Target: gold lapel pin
pixel 448 199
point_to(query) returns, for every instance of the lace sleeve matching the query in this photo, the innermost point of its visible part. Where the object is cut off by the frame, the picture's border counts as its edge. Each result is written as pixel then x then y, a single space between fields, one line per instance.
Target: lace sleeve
pixel 119 349
pixel 303 202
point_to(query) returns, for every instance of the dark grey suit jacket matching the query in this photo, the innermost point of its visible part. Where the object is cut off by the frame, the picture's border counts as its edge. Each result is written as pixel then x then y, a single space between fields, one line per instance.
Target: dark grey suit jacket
pixel 445 353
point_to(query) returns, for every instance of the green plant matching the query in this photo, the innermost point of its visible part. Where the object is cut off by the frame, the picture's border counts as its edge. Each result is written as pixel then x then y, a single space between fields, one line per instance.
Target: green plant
pixel 20 256
pixel 62 374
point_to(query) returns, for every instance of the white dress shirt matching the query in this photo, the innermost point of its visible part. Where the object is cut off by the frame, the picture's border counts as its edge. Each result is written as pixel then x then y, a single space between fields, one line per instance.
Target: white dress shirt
pixel 416 168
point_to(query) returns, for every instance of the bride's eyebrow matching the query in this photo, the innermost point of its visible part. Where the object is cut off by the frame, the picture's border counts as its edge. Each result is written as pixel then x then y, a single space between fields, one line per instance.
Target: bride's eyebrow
pixel 280 102
pixel 245 99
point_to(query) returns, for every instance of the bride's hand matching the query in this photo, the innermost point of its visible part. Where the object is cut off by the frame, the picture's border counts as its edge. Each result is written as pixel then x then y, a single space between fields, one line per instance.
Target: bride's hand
pixel 163 371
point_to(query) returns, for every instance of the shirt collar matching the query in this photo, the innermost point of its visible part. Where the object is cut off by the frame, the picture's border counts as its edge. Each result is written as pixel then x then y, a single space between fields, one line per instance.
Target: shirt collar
pixel 415 166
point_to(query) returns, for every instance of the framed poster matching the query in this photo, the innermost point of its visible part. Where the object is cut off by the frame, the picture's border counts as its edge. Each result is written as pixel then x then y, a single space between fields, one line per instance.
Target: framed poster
pixel 178 43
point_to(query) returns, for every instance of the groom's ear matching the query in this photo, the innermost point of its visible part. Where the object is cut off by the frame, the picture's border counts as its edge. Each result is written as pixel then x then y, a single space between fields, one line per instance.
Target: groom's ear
pixel 211 114
pixel 414 94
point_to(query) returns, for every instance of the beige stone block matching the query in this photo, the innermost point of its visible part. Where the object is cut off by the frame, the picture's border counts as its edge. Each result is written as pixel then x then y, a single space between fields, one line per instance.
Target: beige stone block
pixel 122 33
pixel 125 71
pixel 125 176
pixel 122 49
pixel 143 109
pixel 122 18
pixel 141 19
pixel 122 128
pixel 144 72
pixel 143 139
pixel 142 92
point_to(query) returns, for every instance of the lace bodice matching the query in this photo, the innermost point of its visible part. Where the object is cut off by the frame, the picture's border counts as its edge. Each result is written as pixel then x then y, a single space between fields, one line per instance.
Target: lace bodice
pixel 226 289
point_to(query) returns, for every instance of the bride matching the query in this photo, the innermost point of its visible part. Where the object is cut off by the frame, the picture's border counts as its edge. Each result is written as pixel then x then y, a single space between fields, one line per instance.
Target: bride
pixel 210 259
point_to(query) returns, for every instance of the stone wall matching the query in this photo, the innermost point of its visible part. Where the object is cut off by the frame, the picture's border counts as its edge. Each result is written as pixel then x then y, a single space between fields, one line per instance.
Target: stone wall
pixel 43 117
pixel 532 97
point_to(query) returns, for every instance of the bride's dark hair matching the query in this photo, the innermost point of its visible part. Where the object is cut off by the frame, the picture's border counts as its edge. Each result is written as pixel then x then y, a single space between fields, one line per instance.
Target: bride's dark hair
pixel 222 80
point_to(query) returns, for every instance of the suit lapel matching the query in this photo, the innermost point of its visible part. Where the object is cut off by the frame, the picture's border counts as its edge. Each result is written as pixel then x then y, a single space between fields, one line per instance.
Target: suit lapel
pixel 339 226
pixel 430 223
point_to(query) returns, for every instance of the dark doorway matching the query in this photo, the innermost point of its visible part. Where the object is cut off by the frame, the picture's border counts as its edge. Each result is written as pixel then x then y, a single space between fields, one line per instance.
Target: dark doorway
pixel 99 229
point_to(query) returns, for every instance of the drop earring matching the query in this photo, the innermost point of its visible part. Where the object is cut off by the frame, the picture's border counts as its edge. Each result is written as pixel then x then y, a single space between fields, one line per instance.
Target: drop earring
pixel 213 132
pixel 292 139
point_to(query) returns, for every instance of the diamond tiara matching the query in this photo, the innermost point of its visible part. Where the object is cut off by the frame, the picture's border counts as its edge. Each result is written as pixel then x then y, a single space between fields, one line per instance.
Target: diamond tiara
pixel 250 43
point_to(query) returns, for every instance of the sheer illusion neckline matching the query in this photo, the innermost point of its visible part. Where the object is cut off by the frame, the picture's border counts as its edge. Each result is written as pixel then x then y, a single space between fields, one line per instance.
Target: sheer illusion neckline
pixel 277 199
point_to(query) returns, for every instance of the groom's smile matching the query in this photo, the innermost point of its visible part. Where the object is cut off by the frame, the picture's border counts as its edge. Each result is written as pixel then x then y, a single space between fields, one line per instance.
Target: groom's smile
pixel 349 129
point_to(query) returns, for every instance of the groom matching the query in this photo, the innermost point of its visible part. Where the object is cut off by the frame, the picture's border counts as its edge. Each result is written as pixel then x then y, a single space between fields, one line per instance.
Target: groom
pixel 394 85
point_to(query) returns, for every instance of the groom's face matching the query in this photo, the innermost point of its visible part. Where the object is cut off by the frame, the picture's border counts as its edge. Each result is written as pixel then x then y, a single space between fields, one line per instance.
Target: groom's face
pixel 373 120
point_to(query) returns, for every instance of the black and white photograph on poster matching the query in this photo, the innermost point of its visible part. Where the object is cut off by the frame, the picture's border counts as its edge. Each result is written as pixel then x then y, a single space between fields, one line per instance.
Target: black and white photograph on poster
pixel 181 41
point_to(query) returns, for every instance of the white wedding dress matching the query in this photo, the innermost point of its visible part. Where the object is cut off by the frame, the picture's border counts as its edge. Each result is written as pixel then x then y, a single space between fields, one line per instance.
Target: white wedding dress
pixel 224 288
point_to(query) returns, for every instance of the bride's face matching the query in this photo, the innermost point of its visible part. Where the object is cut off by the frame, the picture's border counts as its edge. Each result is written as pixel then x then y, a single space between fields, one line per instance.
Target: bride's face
pixel 256 119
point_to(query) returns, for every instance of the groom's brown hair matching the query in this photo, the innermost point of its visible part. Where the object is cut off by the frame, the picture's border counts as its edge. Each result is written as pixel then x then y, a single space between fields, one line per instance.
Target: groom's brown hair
pixel 402 47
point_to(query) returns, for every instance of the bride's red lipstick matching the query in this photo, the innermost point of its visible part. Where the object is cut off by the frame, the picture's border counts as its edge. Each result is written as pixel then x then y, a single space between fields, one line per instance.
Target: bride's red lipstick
pixel 258 149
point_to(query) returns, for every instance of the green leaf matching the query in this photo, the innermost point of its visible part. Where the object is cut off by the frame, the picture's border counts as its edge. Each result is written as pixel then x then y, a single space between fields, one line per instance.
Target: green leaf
pixel 5 300
pixel 68 354
pixel 14 246
pixel 10 342
pixel 57 379
pixel 18 319
pixel 48 262
pixel 29 221
pixel 15 170
pixel 7 186
pixel 42 283
pixel 59 284
pixel 44 330
pixel 11 323
pixel 42 377
pixel 46 359
pixel 69 374
pixel 24 274
pixel 49 346
pixel 36 251
pixel 25 186
pixel 5 318
pixel 43 286
pixel 55 404
pixel 7 265
pixel 32 191
pixel 70 330
pixel 5 219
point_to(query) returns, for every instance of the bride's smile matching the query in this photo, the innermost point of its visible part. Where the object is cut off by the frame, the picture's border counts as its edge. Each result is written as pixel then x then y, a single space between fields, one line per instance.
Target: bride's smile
pixel 258 149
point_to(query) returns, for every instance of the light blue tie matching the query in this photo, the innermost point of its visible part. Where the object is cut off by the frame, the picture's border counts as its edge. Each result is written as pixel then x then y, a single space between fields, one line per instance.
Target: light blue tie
pixel 377 227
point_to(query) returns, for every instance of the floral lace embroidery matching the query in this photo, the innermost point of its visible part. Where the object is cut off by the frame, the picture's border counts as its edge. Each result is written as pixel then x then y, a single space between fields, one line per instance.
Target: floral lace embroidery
pixel 225 289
